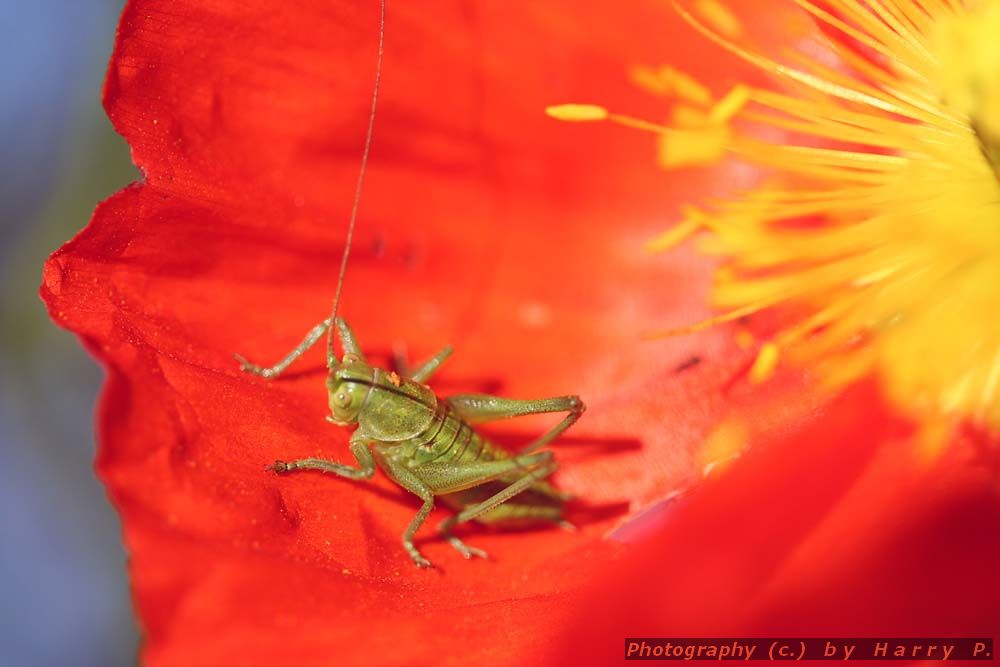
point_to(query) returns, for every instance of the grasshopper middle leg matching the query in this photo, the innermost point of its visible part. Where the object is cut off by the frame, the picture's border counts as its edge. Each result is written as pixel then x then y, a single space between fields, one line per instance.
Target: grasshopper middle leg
pixel 429 367
pixel 347 340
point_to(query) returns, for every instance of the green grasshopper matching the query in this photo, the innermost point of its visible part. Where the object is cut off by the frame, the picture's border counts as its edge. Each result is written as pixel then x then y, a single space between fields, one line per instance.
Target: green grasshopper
pixel 427 445
pixel 424 443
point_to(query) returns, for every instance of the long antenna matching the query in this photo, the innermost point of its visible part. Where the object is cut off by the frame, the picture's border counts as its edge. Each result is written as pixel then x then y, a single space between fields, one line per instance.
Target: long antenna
pixel 330 356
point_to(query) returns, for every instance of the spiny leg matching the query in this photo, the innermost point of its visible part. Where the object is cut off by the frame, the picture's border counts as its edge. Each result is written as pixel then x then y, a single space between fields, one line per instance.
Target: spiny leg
pixel 460 546
pixel 363 455
pixel 347 342
pixel 489 504
pixel 483 407
pixel 425 370
pixel 512 511
pixel 409 481
pixel 446 478
pixel 547 490
pixel 411 530
pixel 274 371
pixel 505 494
pixel 453 477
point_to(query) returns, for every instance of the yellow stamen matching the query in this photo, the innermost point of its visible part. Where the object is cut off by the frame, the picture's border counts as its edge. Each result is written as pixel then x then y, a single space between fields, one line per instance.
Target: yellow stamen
pixel 879 227
pixel 720 18
pixel 638 123
pixel 730 316
pixel 730 105
pixel 577 112
pixel 687 148
pixel 764 366
pixel 673 236
pixel 666 80
pixel 970 75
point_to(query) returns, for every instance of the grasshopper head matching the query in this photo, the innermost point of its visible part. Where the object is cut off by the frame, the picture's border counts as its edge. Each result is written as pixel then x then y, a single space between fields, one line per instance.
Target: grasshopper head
pixel 348 386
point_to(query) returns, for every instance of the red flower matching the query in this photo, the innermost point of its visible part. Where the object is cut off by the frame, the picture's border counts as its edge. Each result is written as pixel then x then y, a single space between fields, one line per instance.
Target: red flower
pixel 485 225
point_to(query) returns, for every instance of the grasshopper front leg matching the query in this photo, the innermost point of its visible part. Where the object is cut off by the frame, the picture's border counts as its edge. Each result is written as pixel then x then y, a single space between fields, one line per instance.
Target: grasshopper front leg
pixel 362 454
pixel 274 371
pixel 344 333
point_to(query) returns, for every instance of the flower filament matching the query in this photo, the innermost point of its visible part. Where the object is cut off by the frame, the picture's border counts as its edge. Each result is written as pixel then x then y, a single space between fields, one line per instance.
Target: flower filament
pixel 876 230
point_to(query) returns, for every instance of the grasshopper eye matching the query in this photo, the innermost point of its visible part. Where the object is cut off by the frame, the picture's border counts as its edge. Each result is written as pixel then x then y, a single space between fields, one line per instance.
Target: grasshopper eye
pixel 342 399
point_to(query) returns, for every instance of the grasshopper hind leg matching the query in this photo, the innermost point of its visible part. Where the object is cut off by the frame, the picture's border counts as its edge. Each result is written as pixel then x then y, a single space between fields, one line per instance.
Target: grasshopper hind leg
pixel 518 513
pixel 510 514
pixel 496 506
pixel 460 546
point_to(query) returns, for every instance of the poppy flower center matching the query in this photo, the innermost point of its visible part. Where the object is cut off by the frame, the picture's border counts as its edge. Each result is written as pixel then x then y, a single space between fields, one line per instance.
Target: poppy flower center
pixel 875 234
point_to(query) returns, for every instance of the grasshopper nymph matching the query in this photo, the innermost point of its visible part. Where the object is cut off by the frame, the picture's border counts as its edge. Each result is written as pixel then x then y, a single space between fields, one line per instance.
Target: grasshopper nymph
pixel 427 445
pixel 424 443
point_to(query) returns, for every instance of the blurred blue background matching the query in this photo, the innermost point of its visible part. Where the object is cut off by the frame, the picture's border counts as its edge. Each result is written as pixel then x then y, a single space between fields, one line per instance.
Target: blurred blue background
pixel 65 596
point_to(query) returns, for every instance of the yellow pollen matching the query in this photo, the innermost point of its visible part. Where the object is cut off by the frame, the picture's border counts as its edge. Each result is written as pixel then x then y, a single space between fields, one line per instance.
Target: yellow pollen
pixel 730 105
pixel 876 237
pixel 969 77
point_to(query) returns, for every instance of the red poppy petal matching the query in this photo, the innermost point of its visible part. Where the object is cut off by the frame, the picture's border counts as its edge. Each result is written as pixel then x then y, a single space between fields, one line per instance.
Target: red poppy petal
pixel 832 530
pixel 484 224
